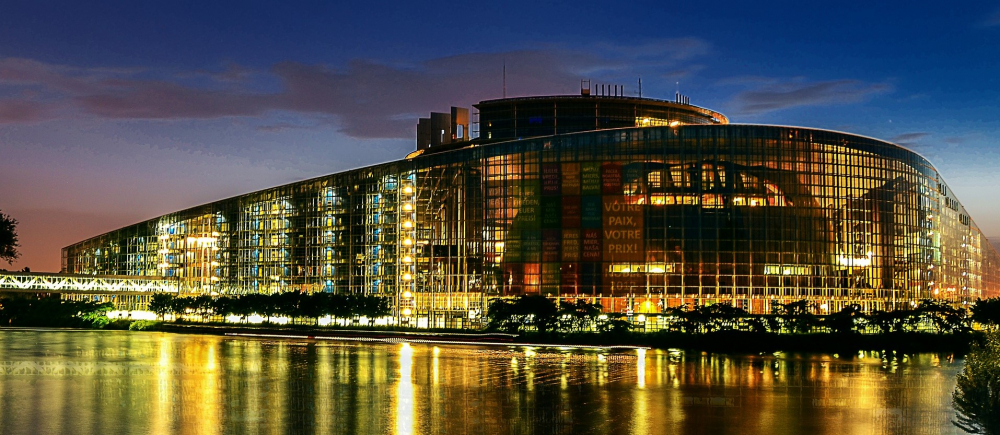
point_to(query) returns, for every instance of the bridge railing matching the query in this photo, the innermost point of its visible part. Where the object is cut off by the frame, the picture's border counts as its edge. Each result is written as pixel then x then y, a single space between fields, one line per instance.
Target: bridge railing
pixel 54 282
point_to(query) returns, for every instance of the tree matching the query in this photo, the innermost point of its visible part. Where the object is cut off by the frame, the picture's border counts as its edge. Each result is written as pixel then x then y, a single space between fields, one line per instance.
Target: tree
pixel 614 324
pixel 846 320
pixel 797 316
pixel 945 317
pixel 161 304
pixel 977 393
pixel 500 317
pixel 987 312
pixel 8 238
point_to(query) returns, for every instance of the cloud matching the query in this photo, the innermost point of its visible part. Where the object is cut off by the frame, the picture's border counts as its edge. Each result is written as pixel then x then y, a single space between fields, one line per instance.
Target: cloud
pixel 131 99
pixel 16 111
pixel 771 96
pixel 908 137
pixel 367 98
pixel 280 126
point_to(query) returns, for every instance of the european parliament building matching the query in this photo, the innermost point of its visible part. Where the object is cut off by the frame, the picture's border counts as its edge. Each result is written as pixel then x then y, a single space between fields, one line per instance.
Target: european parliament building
pixel 638 204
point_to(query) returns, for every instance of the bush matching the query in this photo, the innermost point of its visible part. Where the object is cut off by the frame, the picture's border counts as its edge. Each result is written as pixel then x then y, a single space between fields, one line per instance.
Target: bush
pixel 977 394
pixel 143 325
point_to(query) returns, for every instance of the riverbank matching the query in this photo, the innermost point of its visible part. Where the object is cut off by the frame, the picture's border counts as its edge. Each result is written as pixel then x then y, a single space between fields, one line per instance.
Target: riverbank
pixel 722 341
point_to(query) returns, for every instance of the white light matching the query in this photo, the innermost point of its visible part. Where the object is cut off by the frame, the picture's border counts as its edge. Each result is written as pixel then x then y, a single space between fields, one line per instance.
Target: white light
pixel 854 261
pixel 641 318
pixel 407 294
pixel 407 312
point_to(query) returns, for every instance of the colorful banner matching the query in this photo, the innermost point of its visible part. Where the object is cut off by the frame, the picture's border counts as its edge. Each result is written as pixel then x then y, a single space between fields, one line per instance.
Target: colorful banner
pixel 591 244
pixel 611 178
pixel 591 178
pixel 529 211
pixel 571 245
pixel 550 179
pixel 570 178
pixel 551 212
pixel 590 207
pixel 550 245
pixel 531 247
pixel 622 230
pixel 571 217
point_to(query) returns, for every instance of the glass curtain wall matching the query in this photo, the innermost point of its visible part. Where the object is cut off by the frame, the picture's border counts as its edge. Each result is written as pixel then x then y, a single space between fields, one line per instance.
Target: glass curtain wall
pixel 638 219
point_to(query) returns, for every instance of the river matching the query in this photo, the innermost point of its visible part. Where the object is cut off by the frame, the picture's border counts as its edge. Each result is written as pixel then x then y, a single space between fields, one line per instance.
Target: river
pixel 67 381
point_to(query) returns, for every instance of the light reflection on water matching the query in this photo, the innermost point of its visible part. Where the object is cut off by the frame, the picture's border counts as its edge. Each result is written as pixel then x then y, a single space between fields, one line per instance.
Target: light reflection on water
pixel 137 382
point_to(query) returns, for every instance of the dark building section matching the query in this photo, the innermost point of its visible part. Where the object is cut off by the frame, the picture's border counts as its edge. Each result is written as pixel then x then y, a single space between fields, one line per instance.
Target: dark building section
pixel 443 128
pixel 518 118
pixel 639 219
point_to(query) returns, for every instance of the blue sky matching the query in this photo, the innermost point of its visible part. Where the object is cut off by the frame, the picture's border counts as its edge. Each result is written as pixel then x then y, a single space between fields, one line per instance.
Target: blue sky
pixel 115 112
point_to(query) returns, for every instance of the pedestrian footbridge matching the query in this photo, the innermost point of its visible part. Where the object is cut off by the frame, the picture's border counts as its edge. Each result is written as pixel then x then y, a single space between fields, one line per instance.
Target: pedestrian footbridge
pixel 33 282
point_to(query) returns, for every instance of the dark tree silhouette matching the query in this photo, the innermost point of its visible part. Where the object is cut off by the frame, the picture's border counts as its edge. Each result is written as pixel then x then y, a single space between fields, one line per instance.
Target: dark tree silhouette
pixel 987 312
pixel 8 238
pixel 977 394
pixel 161 304
pixel 847 320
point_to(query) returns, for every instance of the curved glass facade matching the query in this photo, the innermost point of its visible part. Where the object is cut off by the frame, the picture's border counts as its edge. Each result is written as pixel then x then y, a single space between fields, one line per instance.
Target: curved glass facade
pixel 639 218
pixel 518 118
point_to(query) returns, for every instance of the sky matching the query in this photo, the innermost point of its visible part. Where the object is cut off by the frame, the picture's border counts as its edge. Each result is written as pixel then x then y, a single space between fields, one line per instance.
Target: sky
pixel 116 112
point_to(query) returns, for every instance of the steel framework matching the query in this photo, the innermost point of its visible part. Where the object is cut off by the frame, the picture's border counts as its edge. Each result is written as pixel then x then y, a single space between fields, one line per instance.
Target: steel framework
pixel 71 283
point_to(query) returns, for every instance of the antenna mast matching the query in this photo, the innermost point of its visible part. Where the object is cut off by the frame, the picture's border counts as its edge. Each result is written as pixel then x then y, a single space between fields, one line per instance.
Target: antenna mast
pixel 640 86
pixel 505 78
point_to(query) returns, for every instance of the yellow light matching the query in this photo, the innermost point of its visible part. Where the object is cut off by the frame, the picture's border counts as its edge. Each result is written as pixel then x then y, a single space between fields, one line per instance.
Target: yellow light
pixel 407 189
pixel 407 259
pixel 407 312
pixel 407 207
pixel 407 224
pixel 641 318
pixel 407 294
pixel 407 277
pixel 407 242
pixel 675 123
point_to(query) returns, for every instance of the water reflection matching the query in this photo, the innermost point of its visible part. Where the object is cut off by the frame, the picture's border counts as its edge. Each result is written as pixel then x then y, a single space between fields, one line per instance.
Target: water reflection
pixel 88 381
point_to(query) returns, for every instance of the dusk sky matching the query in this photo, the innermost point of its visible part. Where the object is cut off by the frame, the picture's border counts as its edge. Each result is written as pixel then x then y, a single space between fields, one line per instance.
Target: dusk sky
pixel 113 113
